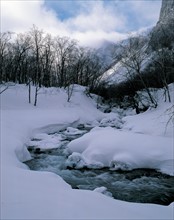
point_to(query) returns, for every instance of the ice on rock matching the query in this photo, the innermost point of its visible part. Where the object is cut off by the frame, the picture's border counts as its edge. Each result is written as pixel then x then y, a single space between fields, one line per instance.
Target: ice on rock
pixel 92 124
pixel 73 131
pixel 122 161
pixel 95 165
pixel 103 190
pixel 95 123
pixel 111 120
pixel 75 160
pixel 45 141
pixel 119 165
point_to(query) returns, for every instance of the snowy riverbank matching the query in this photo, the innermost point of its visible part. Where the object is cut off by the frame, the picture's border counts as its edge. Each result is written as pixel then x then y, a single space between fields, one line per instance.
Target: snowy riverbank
pixel 29 194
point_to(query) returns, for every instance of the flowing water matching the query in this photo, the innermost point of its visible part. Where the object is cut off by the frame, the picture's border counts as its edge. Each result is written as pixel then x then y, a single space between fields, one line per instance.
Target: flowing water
pixel 140 185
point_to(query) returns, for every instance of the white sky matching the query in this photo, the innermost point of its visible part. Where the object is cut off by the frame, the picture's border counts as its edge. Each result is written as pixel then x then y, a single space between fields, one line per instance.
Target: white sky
pixel 89 21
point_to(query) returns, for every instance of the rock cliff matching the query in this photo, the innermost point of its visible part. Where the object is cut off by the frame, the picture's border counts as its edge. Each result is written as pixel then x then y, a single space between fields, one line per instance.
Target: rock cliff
pixel 162 34
pixel 167 11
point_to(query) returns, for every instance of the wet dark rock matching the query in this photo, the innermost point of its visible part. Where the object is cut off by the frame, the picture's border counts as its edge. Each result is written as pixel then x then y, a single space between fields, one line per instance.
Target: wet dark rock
pixel 108 110
pixel 38 151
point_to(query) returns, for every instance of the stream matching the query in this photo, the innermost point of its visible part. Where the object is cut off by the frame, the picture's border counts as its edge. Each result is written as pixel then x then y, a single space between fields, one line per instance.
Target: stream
pixel 139 185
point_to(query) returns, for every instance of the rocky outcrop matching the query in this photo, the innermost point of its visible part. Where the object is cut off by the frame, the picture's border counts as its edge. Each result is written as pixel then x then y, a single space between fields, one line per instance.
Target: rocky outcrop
pixel 160 37
pixel 167 11
pixel 162 34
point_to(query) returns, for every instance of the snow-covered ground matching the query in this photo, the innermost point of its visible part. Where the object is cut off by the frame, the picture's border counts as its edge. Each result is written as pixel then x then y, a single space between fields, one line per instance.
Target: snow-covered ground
pixel 143 141
pixel 115 74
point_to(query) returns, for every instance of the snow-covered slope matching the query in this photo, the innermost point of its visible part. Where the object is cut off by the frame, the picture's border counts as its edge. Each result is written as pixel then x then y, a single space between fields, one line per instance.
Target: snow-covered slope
pixel 161 35
pixel 145 141
pixel 116 74
pixel 29 194
pixel 128 52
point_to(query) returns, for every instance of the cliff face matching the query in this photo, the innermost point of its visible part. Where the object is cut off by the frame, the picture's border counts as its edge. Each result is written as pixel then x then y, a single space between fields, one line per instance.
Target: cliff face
pixel 167 11
pixel 162 34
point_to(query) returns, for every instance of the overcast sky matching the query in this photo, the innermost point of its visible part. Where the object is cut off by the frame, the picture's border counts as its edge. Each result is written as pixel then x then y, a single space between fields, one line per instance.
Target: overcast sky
pixel 89 21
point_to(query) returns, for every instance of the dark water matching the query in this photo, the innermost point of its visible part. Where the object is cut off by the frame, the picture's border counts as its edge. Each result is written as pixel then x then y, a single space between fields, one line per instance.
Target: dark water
pixel 140 185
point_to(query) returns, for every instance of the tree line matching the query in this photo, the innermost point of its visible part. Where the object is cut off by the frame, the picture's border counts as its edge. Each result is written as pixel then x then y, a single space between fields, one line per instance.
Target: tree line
pixel 38 58
pixel 148 64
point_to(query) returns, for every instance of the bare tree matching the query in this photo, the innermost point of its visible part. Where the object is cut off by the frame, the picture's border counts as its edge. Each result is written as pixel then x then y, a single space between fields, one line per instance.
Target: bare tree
pixel 89 67
pixel 48 60
pixel 64 52
pixel 162 45
pixel 37 38
pixel 165 67
pixel 5 86
pixel 20 49
pixel 69 89
pixel 4 51
pixel 134 58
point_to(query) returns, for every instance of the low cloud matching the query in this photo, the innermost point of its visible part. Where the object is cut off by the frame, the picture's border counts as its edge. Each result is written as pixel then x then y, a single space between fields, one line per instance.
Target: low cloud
pixel 95 21
pixel 20 15
pixel 97 16
pixel 96 38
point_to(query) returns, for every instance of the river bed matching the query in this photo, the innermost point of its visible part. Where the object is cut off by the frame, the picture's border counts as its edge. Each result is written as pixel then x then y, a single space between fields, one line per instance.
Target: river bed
pixel 139 185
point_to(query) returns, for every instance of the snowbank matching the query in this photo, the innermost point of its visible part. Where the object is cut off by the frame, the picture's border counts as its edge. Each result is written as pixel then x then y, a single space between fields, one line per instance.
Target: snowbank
pixel 154 121
pixel 29 194
pixel 145 141
pixel 123 150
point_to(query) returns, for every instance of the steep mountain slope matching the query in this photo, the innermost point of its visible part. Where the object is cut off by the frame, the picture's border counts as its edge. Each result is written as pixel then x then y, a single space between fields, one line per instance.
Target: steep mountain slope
pixel 160 37
pixel 163 32
pixel 167 11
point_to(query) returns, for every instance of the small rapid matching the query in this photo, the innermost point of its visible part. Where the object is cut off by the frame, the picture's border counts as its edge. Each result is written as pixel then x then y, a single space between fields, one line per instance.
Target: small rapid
pixel 139 185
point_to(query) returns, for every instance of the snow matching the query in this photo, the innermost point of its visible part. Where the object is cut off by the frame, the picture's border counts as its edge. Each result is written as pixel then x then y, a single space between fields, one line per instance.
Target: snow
pixel 116 74
pixel 145 141
pixel 103 190
pixel 112 120
pixel 27 194
pixel 124 150
pixel 45 141
pixel 73 131
pixel 154 121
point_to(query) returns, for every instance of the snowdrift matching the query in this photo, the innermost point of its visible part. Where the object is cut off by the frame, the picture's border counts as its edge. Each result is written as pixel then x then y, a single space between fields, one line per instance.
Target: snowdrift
pixel 29 194
pixel 124 150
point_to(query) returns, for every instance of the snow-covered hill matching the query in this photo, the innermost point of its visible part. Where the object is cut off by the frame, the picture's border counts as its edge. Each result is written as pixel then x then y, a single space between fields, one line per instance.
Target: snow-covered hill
pixel 128 54
pixel 27 194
